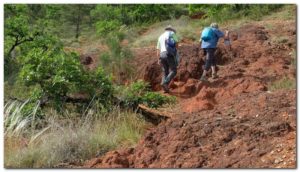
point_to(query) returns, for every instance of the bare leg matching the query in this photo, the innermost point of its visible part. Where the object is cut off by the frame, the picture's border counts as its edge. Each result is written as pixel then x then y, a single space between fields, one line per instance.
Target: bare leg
pixel 204 73
pixel 213 69
pixel 203 77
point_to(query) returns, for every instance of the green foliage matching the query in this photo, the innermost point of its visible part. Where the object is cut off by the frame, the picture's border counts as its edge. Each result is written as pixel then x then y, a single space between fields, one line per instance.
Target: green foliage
pixel 99 84
pixel 56 72
pixel 155 100
pixel 111 17
pixel 154 12
pixel 20 27
pixel 284 83
pixel 223 12
pixel 59 73
pixel 105 27
pixel 103 11
pixel 139 93
pixel 76 15
pixel 17 90
pixel 15 34
pixel 115 60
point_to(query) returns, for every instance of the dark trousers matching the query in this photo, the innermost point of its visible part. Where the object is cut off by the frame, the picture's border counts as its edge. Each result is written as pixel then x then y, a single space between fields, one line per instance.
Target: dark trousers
pixel 168 67
pixel 210 58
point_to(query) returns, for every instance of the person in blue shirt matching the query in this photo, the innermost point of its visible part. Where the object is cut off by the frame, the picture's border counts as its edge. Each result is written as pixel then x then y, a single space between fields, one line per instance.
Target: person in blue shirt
pixel 209 47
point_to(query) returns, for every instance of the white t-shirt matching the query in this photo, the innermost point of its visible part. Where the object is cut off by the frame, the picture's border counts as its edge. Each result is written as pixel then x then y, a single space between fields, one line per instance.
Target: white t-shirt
pixel 161 43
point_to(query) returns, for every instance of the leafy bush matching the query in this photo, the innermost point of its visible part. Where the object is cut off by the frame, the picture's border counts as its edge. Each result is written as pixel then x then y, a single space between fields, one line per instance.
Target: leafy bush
pixel 18 30
pixel 59 74
pixel 139 93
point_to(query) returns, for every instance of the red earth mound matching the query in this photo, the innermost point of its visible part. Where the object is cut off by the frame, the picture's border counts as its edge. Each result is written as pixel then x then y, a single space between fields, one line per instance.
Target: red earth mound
pixel 233 135
pixel 250 53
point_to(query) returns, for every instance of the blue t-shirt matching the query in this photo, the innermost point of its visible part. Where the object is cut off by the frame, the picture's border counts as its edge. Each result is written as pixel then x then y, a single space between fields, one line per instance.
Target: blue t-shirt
pixel 212 43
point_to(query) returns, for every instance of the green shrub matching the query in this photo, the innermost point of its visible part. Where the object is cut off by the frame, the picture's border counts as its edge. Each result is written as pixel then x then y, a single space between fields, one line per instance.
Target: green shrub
pixel 58 74
pixel 139 93
pixel 105 27
pixel 155 100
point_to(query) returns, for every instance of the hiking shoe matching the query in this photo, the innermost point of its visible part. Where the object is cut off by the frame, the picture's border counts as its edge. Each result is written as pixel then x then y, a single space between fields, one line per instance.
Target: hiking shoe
pixel 165 88
pixel 203 78
pixel 214 76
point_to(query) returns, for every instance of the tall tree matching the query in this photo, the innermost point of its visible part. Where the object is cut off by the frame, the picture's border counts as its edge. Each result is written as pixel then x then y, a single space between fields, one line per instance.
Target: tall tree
pixel 75 15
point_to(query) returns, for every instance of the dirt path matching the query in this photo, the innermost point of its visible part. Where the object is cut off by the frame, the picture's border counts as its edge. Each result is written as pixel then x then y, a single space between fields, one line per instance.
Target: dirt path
pixel 234 121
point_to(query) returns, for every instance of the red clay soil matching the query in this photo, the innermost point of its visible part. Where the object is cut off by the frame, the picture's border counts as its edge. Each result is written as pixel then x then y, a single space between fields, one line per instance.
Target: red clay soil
pixel 233 121
pixel 233 135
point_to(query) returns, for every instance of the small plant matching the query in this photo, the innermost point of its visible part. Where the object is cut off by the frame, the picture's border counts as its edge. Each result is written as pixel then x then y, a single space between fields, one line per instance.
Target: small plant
pixel 280 39
pixel 139 93
pixel 155 100
pixel 284 83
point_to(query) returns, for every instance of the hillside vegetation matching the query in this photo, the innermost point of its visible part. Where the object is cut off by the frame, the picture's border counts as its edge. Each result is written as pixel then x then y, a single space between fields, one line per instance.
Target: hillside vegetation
pixel 73 73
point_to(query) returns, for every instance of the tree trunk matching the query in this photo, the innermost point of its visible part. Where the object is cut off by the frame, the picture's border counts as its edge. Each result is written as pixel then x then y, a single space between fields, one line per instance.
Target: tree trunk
pixel 78 22
pixel 155 113
pixel 77 28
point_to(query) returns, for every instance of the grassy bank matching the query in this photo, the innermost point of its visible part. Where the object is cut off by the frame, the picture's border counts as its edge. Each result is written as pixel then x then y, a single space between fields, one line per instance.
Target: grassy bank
pixel 70 139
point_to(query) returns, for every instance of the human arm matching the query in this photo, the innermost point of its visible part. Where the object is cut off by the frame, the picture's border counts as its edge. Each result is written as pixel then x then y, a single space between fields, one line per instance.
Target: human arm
pixel 219 33
pixel 158 52
pixel 226 37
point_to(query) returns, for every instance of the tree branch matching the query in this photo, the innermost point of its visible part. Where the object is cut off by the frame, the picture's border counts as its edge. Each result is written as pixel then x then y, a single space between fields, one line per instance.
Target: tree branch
pixel 19 42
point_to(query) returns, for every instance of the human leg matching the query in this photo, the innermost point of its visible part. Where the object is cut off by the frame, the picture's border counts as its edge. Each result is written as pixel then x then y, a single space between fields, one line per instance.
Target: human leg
pixel 165 71
pixel 213 62
pixel 173 69
pixel 207 64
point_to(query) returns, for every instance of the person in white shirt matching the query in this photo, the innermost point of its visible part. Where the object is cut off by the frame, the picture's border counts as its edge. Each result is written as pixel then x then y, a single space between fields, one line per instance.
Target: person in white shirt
pixel 167 45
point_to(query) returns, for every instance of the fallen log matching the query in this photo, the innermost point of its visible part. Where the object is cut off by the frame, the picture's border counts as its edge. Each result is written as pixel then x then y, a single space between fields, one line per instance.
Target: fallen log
pixel 155 116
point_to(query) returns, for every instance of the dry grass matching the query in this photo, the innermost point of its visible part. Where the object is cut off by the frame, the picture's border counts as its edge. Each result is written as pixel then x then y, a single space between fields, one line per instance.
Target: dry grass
pixel 72 140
